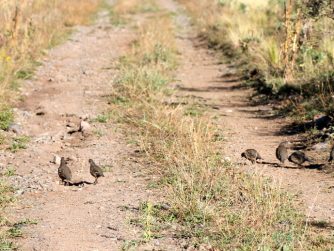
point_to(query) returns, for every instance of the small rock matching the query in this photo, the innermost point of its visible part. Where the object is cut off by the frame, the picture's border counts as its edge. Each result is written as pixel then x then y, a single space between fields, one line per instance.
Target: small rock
pixel 321 146
pixel 20 192
pixel 84 127
pixel 26 114
pixel 58 136
pixel 44 138
pixel 56 159
pixel 228 159
pixel 15 128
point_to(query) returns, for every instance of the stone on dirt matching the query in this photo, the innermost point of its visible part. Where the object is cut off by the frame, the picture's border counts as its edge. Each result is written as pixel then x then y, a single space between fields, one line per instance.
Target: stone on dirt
pixel 15 128
pixel 85 127
pixel 56 159
pixel 322 146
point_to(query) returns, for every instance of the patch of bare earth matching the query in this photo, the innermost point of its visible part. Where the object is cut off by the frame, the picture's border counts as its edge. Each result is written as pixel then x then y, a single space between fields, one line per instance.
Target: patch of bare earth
pixel 68 87
pixel 246 125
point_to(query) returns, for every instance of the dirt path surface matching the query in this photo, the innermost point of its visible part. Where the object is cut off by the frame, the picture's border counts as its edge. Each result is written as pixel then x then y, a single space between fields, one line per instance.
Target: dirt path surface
pixel 69 88
pixel 250 126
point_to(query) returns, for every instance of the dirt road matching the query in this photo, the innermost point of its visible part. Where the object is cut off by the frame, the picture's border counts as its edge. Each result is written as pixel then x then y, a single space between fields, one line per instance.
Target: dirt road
pixel 70 86
pixel 250 126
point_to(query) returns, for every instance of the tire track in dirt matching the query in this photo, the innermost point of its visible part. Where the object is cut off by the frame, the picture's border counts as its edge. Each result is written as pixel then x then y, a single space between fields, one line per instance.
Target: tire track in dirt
pixel 69 86
pixel 202 75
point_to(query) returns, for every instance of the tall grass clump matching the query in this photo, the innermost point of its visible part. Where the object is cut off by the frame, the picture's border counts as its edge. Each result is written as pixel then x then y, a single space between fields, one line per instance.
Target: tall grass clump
pixel 6 197
pixel 27 28
pixel 286 47
pixel 215 203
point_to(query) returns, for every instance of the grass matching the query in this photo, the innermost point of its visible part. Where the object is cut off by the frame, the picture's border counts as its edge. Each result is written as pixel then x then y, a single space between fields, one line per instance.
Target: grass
pixel 102 118
pixel 10 171
pixel 19 142
pixel 6 117
pixel 291 56
pixel 26 31
pixel 6 198
pixel 214 203
pixel 130 245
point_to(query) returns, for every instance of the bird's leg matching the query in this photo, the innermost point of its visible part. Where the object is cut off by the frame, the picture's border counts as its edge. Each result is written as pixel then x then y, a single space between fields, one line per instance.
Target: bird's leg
pixel 95 182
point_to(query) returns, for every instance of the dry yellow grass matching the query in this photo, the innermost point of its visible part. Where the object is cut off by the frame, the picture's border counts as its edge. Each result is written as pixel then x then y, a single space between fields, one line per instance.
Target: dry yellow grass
pixel 29 27
pixel 292 51
pixel 214 203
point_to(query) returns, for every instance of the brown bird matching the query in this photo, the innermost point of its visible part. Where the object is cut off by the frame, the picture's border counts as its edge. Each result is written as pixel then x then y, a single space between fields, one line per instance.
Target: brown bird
pixel 95 171
pixel 251 154
pixel 282 151
pixel 64 172
pixel 298 158
pixel 331 155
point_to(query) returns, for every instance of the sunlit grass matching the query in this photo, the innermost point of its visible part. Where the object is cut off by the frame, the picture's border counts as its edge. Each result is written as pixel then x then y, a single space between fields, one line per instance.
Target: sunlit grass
pixel 214 203
pixel 255 32
pixel 27 28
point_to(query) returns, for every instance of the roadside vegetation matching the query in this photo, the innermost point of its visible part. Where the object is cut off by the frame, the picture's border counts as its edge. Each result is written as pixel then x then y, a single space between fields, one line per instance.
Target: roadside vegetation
pixel 215 205
pixel 285 48
pixel 27 28
pixel 6 198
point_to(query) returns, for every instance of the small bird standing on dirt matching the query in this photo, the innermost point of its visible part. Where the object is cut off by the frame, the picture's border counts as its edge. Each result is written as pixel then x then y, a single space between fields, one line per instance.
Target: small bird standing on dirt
pixel 331 155
pixel 95 171
pixel 298 158
pixel 64 172
pixel 282 151
pixel 251 154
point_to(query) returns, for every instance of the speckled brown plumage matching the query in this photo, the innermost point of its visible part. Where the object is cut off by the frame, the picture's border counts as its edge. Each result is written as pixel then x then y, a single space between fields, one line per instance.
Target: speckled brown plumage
pixel 95 171
pixel 282 152
pixel 64 171
pixel 298 158
pixel 251 154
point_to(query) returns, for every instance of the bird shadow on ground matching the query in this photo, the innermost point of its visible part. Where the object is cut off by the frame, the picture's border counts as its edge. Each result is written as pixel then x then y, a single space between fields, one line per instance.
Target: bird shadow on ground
pixel 212 88
pixel 314 166
pixel 311 166
pixel 320 224
pixel 78 183
pixel 301 127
